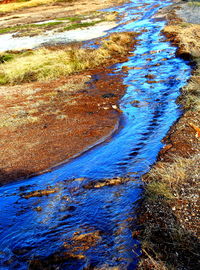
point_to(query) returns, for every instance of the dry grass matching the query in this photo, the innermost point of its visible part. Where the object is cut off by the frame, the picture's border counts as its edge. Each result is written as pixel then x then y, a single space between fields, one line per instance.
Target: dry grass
pixel 151 263
pixel 187 36
pixel 26 4
pixel 167 178
pixel 45 64
pixel 156 189
pixel 166 243
pixel 191 93
pixel 170 206
pixel 193 3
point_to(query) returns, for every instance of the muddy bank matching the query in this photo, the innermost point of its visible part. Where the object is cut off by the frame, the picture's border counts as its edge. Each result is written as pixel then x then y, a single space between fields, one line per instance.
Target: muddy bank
pixel 169 213
pixel 44 124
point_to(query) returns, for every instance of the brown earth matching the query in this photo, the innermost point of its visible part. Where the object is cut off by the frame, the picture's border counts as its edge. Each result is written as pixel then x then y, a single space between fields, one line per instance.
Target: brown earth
pixel 43 124
pixel 54 10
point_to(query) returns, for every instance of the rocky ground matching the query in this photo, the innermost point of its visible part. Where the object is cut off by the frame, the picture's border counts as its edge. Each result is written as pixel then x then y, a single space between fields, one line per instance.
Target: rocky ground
pixel 169 215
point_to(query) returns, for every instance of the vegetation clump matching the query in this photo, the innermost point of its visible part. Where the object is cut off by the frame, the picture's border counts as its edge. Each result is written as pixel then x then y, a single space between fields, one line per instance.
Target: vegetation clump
pixel 186 36
pixel 45 64
pixel 4 8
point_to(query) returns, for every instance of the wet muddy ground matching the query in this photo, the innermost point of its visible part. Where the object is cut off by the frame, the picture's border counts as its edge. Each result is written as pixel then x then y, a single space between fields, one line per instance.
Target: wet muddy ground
pixel 62 119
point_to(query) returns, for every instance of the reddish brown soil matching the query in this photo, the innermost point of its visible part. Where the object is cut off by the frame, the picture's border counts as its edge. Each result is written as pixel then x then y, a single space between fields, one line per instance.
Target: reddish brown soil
pixel 182 140
pixel 45 128
pixel 54 10
pixel 7 1
pixel 44 124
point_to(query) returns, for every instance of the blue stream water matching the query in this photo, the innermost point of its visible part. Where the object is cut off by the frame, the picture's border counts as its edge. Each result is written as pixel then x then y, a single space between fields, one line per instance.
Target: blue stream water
pixel 149 109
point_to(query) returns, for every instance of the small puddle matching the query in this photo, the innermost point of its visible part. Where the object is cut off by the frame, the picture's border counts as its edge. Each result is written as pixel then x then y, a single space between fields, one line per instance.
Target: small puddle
pixel 81 215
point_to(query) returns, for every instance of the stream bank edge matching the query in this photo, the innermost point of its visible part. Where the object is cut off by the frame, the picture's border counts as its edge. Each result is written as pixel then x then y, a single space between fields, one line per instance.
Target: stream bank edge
pixel 168 226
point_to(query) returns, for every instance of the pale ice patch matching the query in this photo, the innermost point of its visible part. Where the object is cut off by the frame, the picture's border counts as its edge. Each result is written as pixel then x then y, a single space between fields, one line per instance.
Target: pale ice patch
pixel 8 42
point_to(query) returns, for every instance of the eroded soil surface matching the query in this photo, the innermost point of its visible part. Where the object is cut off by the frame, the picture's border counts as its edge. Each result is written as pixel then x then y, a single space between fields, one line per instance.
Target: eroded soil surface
pixel 43 124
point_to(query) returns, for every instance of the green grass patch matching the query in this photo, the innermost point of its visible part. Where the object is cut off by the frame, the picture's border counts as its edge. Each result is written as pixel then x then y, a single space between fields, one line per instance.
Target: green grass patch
pixel 28 26
pixel 71 19
pixel 80 25
pixel 46 24
pixel 158 189
pixel 6 57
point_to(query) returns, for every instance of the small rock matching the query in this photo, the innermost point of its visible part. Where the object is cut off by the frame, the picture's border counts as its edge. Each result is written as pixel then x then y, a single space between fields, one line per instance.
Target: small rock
pixel 38 208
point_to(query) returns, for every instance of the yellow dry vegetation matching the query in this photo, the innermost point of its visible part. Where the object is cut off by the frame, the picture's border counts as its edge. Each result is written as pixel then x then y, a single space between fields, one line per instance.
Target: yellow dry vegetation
pixel 44 64
pixel 166 178
pixel 19 5
pixel 187 36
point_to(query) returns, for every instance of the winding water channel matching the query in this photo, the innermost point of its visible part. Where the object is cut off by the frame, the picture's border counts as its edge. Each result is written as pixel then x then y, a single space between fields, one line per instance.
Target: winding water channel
pixel 153 78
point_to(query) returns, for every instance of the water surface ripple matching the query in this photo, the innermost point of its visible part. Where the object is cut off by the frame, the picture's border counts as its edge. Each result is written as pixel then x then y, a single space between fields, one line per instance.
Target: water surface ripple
pixel 153 76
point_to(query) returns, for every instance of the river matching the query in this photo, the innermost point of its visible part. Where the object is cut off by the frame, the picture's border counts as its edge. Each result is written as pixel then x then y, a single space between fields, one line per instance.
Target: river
pixel 153 76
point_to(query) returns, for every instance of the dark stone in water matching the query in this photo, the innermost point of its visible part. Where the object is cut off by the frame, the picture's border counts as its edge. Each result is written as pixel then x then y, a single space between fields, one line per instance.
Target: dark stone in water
pixel 71 208
pixel 109 95
pixel 21 251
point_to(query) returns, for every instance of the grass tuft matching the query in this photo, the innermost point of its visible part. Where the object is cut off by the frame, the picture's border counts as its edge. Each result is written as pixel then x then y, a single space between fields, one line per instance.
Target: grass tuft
pixel 45 64
pixel 187 36
pixel 4 8
pixel 167 178
pixel 80 25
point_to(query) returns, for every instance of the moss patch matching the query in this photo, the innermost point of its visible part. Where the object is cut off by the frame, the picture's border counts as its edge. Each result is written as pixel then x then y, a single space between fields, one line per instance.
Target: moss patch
pixel 80 25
